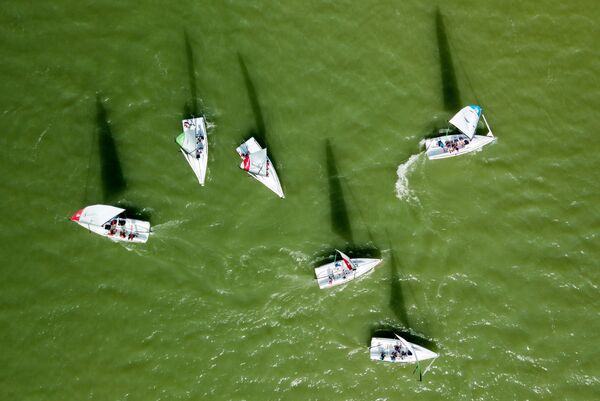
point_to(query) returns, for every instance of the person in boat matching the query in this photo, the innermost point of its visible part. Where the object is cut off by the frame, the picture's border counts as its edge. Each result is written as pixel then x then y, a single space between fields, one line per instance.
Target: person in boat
pixel 122 234
pixel 440 144
pixel 112 230
pixel 382 356
pixel 246 158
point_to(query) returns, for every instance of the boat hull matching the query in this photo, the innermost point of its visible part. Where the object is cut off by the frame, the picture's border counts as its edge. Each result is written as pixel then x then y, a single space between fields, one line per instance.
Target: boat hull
pixel 435 152
pixel 398 351
pixel 271 180
pixel 189 150
pixel 336 273
pixel 140 229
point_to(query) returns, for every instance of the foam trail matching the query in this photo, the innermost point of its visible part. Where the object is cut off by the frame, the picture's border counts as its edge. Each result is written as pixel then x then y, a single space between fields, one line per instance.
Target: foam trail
pixel 168 225
pixel 403 191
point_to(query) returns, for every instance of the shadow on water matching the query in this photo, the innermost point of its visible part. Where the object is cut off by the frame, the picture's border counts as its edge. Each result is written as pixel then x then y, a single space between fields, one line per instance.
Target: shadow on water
pixel 259 131
pixel 449 83
pixel 360 213
pixel 113 181
pixel 388 331
pixel 397 301
pixel 340 221
pixel 192 107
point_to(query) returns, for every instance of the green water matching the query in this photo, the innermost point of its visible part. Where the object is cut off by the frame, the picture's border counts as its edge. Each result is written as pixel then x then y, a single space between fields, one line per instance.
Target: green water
pixel 490 259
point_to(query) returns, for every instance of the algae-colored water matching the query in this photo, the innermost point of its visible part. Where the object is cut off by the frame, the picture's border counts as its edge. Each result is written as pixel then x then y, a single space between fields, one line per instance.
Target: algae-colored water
pixel 490 259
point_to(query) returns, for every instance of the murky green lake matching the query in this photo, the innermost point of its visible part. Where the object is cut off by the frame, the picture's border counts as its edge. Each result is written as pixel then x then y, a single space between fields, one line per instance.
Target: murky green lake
pixel 489 259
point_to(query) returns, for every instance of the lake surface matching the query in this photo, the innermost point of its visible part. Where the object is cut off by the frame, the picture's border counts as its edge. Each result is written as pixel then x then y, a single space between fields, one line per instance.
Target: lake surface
pixel 489 259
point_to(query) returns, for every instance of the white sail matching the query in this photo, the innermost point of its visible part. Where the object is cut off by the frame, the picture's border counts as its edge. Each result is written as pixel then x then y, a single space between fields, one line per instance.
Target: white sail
pixel 466 120
pixel 256 163
pixel 350 265
pixel 97 215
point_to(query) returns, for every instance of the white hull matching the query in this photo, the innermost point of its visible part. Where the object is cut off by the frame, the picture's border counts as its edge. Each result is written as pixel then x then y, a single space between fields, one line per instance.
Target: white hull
pixel 139 229
pixel 271 180
pixel 198 165
pixel 434 151
pixel 336 273
pixel 110 221
pixel 398 351
pixel 193 143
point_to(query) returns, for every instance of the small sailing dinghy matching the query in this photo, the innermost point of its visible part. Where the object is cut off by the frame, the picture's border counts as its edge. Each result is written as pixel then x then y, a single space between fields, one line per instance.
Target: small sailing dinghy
pixel 111 222
pixel 344 270
pixel 454 143
pixel 258 165
pixel 194 145
pixel 398 350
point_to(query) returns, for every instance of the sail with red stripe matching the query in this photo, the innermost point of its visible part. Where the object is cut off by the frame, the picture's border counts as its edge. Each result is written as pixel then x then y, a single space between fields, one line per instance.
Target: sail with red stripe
pixel 347 261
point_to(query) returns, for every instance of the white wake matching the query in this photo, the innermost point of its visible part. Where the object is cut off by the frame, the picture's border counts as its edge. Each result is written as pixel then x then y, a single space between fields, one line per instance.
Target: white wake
pixel 403 191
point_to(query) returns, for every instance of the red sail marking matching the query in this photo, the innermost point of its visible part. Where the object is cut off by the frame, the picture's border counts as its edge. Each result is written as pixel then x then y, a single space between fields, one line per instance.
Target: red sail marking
pixel 348 265
pixel 77 215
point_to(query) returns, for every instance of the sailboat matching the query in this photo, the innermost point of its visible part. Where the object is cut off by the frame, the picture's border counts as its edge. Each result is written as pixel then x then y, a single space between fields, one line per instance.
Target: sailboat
pixel 344 270
pixel 194 145
pixel 256 163
pixel 453 143
pixel 111 222
pixel 398 350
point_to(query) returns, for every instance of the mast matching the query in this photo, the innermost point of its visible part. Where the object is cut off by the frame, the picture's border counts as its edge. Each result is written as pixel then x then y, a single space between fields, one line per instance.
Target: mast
pixel 410 345
pixel 488 126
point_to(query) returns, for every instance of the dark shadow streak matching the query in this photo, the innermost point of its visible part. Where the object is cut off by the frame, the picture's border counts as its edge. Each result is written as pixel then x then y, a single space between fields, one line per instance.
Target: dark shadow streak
pixel 449 83
pixel 191 108
pixel 113 181
pixel 259 132
pixel 340 222
pixel 397 302
pixel 360 213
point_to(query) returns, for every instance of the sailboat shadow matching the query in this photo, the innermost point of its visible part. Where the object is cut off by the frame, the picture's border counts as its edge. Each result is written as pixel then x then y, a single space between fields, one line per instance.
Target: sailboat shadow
pixel 111 172
pixel 450 89
pixel 397 300
pixel 192 108
pixel 259 132
pixel 360 213
pixel 340 221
